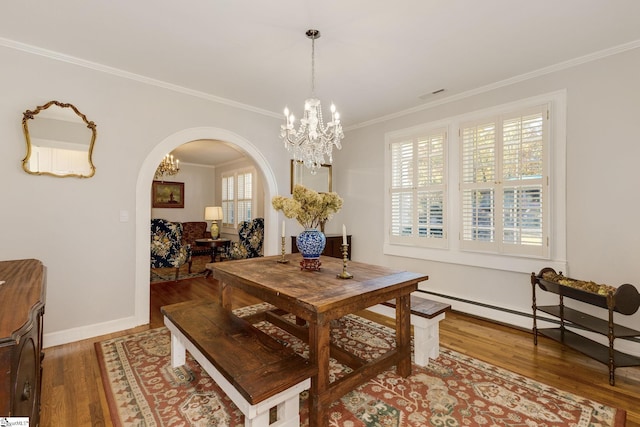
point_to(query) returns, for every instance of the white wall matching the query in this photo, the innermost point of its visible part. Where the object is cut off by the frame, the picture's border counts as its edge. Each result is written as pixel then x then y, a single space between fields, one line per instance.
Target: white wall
pixel 603 201
pixel 199 192
pixel 96 267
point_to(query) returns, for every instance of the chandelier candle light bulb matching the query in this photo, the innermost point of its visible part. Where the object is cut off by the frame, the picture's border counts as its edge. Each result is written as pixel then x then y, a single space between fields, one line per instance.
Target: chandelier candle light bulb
pixel 168 166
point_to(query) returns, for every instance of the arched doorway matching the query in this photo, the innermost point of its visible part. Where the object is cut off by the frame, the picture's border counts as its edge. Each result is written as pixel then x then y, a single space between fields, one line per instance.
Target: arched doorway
pixel 143 203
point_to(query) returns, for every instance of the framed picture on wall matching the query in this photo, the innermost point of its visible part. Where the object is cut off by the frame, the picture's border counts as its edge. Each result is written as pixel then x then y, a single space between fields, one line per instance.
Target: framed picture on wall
pixel 166 194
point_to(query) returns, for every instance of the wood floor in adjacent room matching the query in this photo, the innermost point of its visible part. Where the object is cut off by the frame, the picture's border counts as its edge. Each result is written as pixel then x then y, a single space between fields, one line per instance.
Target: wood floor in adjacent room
pixel 72 392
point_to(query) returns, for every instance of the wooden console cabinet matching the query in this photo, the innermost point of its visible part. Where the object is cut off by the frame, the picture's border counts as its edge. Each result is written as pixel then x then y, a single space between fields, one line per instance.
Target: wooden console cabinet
pixel 624 300
pixel 22 298
pixel 333 247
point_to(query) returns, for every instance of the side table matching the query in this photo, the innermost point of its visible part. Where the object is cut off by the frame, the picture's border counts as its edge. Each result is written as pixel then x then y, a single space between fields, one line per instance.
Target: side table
pixel 215 245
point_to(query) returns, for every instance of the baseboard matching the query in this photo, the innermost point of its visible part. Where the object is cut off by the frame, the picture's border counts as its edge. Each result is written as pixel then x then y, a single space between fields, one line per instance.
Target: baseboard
pixel 90 331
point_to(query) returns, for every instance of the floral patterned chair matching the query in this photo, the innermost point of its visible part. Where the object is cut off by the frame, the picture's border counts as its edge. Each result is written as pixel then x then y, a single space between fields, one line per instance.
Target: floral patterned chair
pixel 167 249
pixel 250 240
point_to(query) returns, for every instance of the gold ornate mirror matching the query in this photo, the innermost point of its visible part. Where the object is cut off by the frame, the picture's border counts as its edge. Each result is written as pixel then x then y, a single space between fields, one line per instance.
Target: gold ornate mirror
pixel 59 140
pixel 321 181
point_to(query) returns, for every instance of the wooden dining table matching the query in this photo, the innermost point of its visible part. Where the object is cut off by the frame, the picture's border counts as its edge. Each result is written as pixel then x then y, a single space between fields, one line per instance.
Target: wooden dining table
pixel 318 297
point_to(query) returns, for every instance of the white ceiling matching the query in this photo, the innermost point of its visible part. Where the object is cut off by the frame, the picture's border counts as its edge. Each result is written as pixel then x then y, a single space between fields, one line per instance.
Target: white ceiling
pixel 207 152
pixel 374 57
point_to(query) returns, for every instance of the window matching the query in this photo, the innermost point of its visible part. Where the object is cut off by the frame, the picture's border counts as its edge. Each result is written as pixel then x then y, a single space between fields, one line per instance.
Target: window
pixel 494 197
pixel 237 197
pixel 245 196
pixel 418 188
pixel 503 186
pixel 228 201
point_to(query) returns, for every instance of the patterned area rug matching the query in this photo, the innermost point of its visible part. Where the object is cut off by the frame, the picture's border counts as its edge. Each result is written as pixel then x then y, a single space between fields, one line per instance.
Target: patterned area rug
pixel 159 275
pixel 454 390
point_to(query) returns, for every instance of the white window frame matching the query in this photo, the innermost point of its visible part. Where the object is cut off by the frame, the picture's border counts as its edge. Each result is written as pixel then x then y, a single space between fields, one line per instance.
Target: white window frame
pixel 454 253
pixel 234 199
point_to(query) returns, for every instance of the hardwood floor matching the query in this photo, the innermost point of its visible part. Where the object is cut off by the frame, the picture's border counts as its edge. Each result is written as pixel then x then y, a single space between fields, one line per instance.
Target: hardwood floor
pixel 72 392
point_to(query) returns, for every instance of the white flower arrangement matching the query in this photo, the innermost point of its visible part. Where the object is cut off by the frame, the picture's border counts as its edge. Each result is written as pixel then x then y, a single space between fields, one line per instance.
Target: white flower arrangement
pixel 310 208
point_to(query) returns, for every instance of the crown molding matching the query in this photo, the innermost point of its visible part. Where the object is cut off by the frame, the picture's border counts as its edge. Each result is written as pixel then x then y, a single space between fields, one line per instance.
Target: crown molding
pixel 507 82
pixel 57 56
pixel 198 94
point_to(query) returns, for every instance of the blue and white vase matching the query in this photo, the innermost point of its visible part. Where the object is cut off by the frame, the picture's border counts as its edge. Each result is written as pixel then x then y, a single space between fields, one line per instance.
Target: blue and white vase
pixel 311 243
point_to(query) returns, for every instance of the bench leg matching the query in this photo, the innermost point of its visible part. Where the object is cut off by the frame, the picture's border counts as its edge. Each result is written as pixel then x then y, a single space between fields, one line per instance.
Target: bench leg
pixel 260 420
pixel 426 334
pixel 288 415
pixel 178 352
pixel 426 339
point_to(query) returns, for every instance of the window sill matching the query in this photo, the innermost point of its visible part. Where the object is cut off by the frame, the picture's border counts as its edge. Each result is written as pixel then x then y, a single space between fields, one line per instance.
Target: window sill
pixel 475 259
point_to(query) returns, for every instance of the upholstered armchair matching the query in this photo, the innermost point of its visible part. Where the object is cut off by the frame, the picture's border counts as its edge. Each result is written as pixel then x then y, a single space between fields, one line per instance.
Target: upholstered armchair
pixel 167 249
pixel 193 230
pixel 250 240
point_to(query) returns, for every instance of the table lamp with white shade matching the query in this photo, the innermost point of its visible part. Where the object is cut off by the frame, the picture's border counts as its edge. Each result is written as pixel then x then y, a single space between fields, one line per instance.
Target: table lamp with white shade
pixel 213 214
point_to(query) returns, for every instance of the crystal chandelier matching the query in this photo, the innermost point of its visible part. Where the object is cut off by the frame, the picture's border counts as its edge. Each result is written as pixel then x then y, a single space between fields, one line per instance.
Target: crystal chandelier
pixel 168 166
pixel 313 140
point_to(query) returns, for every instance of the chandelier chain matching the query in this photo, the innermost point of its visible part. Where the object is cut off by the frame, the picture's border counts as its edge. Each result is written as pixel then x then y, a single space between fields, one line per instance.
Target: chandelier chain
pixel 313 65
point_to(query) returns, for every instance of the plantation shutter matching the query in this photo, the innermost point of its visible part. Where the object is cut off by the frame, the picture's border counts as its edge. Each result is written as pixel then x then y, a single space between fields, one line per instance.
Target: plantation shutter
pixel 228 201
pixel 418 189
pixel 402 178
pixel 503 184
pixel 523 179
pixel 245 196
pixel 478 181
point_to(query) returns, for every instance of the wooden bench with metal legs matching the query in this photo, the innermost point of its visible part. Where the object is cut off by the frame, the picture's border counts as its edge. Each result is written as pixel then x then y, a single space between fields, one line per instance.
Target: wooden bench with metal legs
pixel 257 372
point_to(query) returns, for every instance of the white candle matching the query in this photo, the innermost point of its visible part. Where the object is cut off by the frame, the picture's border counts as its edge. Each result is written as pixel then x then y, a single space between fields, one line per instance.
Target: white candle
pixel 344 234
pixel 283 228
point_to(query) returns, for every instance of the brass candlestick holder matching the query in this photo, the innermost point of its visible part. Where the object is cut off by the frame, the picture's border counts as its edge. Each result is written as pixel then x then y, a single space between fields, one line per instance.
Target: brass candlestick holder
pixel 282 260
pixel 345 274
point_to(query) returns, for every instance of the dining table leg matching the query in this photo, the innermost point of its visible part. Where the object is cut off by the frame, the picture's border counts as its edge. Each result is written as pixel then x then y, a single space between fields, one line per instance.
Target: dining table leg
pixel 319 396
pixel 403 334
pixel 226 296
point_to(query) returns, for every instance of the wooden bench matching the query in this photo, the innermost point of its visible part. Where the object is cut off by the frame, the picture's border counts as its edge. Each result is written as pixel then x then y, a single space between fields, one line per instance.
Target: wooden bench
pixel 425 318
pixel 257 372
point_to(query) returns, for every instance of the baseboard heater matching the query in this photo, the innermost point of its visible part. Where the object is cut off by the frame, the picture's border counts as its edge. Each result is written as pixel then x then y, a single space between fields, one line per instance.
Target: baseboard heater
pixel 506 310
